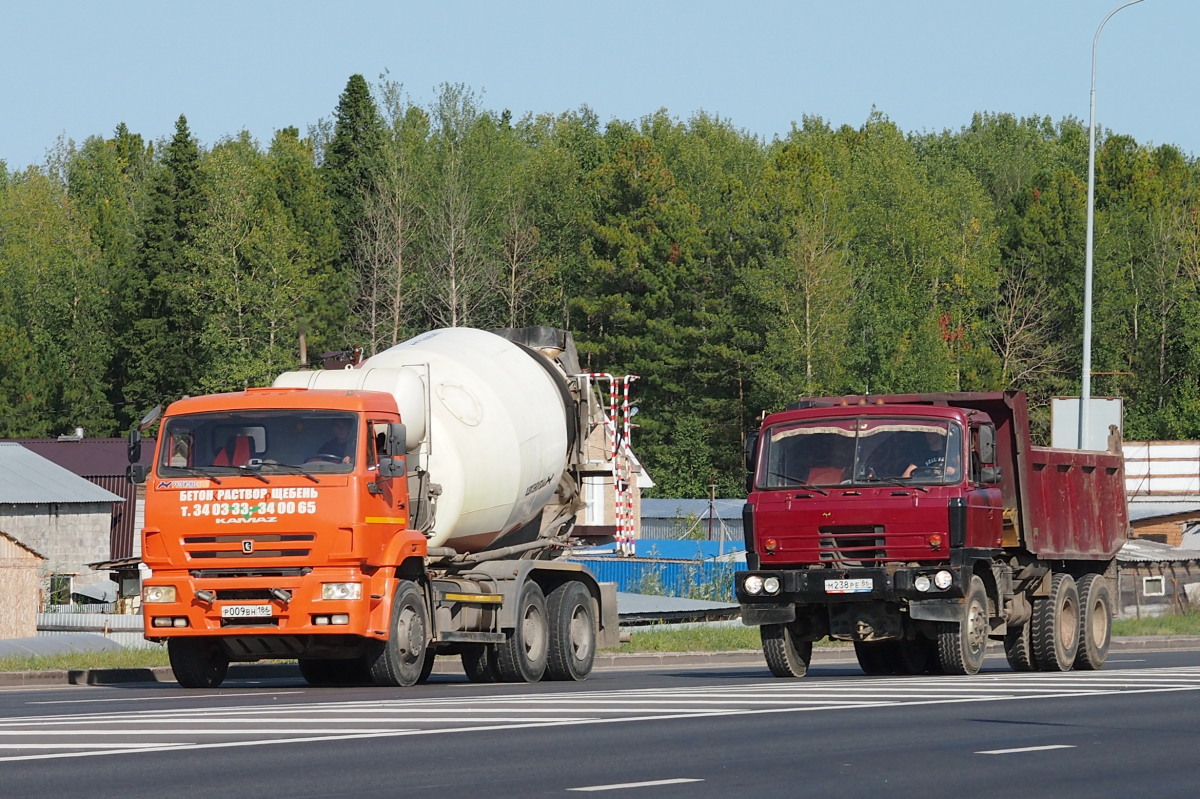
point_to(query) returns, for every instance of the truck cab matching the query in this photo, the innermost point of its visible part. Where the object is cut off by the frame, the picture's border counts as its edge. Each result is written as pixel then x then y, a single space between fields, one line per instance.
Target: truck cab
pixel 918 527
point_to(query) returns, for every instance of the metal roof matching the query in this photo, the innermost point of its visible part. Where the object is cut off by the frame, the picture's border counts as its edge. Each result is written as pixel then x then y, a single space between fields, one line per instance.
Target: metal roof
pixel 27 478
pixel 696 508
pixel 87 457
pixel 1142 510
pixel 1139 550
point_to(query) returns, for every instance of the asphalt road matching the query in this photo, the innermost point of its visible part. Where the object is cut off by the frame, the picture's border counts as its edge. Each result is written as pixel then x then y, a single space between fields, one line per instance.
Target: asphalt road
pixel 681 727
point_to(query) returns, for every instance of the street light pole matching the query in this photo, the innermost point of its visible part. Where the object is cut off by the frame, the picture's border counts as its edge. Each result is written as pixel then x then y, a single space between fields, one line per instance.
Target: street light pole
pixel 1085 394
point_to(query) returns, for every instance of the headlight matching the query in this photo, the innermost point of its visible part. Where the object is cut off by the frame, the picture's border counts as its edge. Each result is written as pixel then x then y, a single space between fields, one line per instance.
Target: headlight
pixel 753 584
pixel 943 579
pixel 921 583
pixel 771 585
pixel 159 593
pixel 341 590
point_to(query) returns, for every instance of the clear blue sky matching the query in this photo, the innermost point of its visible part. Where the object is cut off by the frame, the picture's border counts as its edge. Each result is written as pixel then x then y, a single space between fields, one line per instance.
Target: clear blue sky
pixel 76 69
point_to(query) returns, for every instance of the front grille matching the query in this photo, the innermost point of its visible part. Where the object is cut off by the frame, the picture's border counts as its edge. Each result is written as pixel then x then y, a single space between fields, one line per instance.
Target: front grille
pixel 852 546
pixel 244 546
pixel 202 574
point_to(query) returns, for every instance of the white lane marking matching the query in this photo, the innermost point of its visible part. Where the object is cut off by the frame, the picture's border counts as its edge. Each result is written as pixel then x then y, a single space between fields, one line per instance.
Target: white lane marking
pixel 188 697
pixel 1025 749
pixel 617 786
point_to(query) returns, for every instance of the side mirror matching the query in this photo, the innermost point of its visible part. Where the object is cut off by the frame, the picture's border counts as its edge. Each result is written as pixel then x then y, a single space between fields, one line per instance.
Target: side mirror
pixel 136 473
pixel 990 475
pixel 397 437
pixel 987 443
pixel 750 447
pixel 135 445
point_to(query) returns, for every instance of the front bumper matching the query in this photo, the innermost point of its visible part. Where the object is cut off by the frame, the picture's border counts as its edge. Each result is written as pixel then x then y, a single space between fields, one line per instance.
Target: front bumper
pixel 825 587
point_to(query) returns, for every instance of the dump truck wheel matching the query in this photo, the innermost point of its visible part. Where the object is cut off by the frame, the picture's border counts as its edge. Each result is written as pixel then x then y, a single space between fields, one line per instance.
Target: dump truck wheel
pixel 875 658
pixel 1018 648
pixel 1095 622
pixel 1055 632
pixel 400 659
pixel 572 632
pixel 197 662
pixel 786 657
pixel 963 644
pixel 479 663
pixel 523 655
pixel 913 655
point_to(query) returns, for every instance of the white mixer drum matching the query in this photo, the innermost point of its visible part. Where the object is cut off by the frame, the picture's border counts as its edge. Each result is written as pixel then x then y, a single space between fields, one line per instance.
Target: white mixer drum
pixel 497 437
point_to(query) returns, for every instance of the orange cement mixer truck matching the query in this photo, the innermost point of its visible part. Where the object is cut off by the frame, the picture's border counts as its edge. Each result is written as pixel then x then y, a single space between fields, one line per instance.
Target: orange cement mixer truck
pixel 362 521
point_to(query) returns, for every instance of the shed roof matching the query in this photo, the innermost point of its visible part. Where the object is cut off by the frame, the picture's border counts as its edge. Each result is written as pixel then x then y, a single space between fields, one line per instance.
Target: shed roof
pixel 22 545
pixel 697 508
pixel 27 478
pixel 87 457
pixel 1139 550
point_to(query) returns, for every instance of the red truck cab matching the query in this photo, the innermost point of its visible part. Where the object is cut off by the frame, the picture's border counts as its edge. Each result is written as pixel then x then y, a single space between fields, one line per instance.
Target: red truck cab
pixel 918 527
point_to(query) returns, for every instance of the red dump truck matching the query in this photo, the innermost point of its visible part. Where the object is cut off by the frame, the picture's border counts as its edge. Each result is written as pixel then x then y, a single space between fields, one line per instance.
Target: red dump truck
pixel 362 521
pixel 921 526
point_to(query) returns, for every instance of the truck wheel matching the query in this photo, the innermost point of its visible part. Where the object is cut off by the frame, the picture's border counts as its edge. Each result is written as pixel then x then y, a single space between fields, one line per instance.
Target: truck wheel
pixel 197 662
pixel 427 666
pixel 1055 625
pixel 913 655
pixel 786 657
pixel 1018 648
pixel 875 658
pixel 1095 622
pixel 522 657
pixel 963 644
pixel 400 659
pixel 479 663
pixel 572 632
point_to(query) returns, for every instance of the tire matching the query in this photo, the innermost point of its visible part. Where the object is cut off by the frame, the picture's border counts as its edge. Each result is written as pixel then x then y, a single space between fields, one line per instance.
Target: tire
pixel 427 666
pixel 479 663
pixel 1055 625
pixel 913 655
pixel 1095 622
pixel 1018 648
pixel 400 659
pixel 198 662
pixel 962 645
pixel 786 657
pixel 875 658
pixel 572 623
pixel 524 654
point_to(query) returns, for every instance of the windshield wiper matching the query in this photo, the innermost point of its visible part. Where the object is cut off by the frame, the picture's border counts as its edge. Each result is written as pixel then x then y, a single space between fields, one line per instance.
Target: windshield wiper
pixel 896 481
pixel 798 483
pixel 250 471
pixel 291 469
pixel 198 473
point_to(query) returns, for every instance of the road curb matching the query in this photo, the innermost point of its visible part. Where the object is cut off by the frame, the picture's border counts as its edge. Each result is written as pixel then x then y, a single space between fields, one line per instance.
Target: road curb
pixel 451 664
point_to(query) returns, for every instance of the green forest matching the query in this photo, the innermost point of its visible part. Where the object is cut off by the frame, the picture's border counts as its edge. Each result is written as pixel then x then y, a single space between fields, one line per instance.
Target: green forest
pixel 733 274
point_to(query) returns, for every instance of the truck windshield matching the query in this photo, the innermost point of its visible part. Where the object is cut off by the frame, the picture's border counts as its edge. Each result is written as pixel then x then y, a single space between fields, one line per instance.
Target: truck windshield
pixel 282 442
pixel 860 450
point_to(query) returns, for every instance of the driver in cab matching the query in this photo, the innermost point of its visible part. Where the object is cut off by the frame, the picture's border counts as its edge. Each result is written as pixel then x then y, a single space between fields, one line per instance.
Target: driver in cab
pixel 339 448
pixel 929 457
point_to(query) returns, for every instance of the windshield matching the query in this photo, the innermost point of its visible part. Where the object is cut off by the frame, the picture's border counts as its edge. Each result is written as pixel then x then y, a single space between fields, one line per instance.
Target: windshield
pixel 861 450
pixel 233 442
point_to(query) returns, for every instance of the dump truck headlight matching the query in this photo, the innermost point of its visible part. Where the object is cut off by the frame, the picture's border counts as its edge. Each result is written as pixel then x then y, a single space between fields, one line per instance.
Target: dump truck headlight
pixel 943 579
pixel 921 583
pixel 753 585
pixel 771 585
